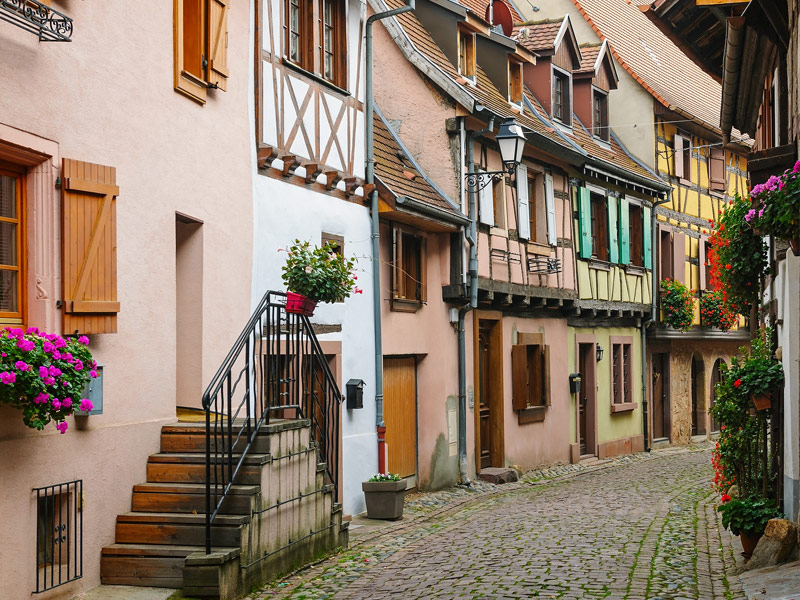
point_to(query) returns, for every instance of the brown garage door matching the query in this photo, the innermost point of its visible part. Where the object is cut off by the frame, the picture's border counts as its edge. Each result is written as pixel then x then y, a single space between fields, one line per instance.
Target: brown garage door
pixel 400 414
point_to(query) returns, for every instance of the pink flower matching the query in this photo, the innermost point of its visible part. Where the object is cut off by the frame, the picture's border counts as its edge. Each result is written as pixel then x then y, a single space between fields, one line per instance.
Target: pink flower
pixel 22 365
pixel 56 404
pixel 86 405
pixel 93 374
pixel 42 372
pixel 54 371
pixel 56 355
pixel 7 377
pixel 83 340
pixel 66 402
pixel 750 214
pixel 62 427
pixel 25 345
pixel 48 347
pixel 42 398
pixel 33 330
pixel 796 167
pixel 78 365
pixel 59 342
pixel 49 380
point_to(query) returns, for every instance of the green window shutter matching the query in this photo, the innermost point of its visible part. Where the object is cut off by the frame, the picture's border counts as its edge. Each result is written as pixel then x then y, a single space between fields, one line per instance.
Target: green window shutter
pixel 613 241
pixel 624 232
pixel 647 245
pixel 585 222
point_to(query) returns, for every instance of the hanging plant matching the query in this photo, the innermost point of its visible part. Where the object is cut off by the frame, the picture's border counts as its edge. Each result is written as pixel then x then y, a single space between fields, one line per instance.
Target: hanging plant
pixel 319 274
pixel 677 305
pixel 715 312
pixel 776 205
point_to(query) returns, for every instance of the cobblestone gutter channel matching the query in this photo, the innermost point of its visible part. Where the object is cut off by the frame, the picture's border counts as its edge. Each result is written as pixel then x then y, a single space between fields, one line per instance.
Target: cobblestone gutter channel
pixel 641 526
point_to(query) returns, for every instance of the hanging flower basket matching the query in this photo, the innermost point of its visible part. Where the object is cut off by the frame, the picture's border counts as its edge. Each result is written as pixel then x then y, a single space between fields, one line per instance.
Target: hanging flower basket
pixel 776 206
pixel 299 304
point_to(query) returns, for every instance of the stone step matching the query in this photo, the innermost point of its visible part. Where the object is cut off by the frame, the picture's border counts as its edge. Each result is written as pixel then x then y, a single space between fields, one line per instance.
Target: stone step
pixel 189 497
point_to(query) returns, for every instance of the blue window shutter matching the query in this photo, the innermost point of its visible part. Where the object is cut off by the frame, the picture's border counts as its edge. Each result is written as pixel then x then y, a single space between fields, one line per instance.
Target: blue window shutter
pixel 624 232
pixel 585 222
pixel 647 244
pixel 613 237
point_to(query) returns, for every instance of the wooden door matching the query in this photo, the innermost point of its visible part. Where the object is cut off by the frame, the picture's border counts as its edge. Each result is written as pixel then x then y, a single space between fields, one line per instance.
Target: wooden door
pixel 586 401
pixel 484 408
pixel 660 396
pixel 716 376
pixel 400 415
pixel 490 433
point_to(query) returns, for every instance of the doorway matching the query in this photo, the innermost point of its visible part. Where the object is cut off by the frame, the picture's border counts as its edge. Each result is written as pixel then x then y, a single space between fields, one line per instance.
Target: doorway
pixel 188 312
pixel 716 377
pixel 400 414
pixel 489 434
pixel 661 414
pixel 698 397
pixel 587 401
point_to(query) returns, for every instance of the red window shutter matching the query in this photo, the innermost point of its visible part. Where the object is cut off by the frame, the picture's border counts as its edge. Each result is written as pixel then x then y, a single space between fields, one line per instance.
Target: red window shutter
pixel 218 43
pixel 519 377
pixel 89 247
pixel 716 170
pixel 678 156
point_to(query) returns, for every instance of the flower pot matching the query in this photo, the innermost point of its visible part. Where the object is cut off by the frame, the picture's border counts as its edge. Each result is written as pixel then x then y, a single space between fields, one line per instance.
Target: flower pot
pixel 384 498
pixel 762 401
pixel 299 304
pixel 749 543
pixel 795 244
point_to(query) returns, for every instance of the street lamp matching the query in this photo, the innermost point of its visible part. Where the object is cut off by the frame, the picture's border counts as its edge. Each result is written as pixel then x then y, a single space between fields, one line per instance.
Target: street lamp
pixel 511 139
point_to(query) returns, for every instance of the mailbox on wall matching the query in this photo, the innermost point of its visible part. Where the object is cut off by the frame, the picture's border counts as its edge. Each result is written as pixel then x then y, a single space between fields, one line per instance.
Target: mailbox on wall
pixel 574 383
pixel 94 392
pixel 355 393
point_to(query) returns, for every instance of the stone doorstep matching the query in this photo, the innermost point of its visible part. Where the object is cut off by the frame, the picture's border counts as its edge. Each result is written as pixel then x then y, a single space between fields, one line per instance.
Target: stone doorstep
pixel 498 475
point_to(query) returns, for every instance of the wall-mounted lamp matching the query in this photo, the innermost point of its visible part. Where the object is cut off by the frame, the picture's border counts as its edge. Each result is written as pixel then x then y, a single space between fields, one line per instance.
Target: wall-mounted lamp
pixel 599 352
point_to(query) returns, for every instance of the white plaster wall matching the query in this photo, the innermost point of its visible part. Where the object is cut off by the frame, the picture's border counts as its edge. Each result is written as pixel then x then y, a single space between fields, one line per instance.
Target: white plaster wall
pixel 284 212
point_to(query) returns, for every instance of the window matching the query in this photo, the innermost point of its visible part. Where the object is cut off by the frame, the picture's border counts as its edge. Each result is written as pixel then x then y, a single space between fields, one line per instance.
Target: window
pixel 12 276
pixel 562 105
pixel 514 82
pixel 530 369
pixel 336 240
pixel 532 204
pixel 621 373
pixel 408 271
pixel 201 47
pixel 321 50
pixel 498 202
pixel 599 216
pixel 636 234
pixel 466 53
pixel 683 157
pixel 600 112
pixel 59 533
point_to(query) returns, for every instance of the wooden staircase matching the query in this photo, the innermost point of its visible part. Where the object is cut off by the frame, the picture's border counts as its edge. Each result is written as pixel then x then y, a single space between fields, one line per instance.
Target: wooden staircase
pixel 278 496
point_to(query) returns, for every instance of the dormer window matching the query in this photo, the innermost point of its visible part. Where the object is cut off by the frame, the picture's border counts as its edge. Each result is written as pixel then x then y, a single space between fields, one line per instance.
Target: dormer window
pixel 515 82
pixel 466 53
pixel 600 127
pixel 562 96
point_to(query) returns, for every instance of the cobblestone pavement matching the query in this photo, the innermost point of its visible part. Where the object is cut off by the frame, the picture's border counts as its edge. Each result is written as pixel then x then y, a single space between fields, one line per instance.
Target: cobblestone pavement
pixel 638 527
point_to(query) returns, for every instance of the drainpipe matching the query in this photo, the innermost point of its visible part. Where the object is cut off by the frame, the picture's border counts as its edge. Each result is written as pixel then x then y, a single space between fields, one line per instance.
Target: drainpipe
pixel 376 247
pixel 644 324
pixel 472 239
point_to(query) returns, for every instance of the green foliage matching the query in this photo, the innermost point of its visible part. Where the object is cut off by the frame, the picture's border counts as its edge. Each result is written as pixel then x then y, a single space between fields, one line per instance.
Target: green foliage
pixel 385 477
pixel 714 311
pixel 776 205
pixel 677 304
pixel 760 373
pixel 319 273
pixel 748 515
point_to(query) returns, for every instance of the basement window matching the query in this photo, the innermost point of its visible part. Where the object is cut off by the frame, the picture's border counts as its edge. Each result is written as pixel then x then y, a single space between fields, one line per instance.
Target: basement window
pixel 59 534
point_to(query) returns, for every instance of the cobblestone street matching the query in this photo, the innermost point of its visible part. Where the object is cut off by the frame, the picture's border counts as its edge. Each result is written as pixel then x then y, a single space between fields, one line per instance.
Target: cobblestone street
pixel 639 527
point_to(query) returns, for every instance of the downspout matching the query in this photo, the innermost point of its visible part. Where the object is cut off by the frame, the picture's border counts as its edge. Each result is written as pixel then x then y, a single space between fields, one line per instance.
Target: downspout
pixel 472 239
pixel 376 247
pixel 654 245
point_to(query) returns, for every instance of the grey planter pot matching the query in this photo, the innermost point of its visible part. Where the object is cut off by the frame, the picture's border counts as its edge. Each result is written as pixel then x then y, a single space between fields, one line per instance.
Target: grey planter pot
pixel 384 498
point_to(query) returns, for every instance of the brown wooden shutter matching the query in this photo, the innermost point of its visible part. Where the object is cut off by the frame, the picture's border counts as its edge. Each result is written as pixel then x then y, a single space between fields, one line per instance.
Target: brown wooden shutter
pixel 545 375
pixel 679 256
pixel 716 170
pixel 89 247
pixel 218 43
pixel 423 269
pixel 678 156
pixel 519 377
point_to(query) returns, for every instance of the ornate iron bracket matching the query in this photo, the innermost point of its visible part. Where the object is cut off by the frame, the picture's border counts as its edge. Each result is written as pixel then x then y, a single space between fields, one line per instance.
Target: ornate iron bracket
pixel 35 17
pixel 480 179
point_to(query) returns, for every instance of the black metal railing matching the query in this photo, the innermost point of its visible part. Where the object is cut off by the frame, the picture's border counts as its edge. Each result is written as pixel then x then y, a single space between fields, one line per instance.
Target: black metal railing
pixel 276 369
pixel 59 534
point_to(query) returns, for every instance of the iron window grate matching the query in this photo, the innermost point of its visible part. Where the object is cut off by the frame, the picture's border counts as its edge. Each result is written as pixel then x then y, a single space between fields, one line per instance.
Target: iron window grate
pixel 59 534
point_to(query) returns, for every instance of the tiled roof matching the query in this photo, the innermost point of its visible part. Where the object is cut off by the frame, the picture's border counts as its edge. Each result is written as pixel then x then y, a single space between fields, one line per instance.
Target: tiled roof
pixel 653 59
pixel 399 172
pixel 589 57
pixel 539 36
pixel 479 7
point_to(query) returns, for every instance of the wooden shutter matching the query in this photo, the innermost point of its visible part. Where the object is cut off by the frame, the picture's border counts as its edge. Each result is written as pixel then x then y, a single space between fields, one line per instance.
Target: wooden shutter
pixel 218 43
pixel 647 237
pixel 89 247
pixel 519 377
pixel 423 269
pixel 486 204
pixel 523 204
pixel 677 156
pixel 716 170
pixel 679 256
pixel 397 244
pixel 550 203
pixel 585 222
pixel 546 375
pixel 615 231
pixel 701 258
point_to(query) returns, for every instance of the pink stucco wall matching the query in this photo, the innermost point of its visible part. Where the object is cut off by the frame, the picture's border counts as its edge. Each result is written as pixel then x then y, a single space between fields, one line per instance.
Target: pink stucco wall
pixel 107 97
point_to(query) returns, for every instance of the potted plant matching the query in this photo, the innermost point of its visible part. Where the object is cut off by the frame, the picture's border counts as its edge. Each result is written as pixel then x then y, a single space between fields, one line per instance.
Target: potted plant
pixel 677 305
pixel 44 375
pixel 776 207
pixel 715 312
pixel 748 518
pixel 384 494
pixel 316 275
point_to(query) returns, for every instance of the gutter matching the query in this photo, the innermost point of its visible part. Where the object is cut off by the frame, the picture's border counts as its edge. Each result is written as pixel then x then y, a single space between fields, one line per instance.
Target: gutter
pixel 431 211
pixel 734 38
pixel 376 247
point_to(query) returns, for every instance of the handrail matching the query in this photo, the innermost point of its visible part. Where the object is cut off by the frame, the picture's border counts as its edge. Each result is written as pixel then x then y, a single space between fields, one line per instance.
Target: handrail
pixel 275 366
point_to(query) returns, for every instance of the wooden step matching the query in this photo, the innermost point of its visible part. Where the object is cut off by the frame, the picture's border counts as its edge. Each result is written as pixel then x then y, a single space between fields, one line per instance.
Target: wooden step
pixel 191 468
pixel 188 498
pixel 178 528
pixel 191 437
pixel 148 564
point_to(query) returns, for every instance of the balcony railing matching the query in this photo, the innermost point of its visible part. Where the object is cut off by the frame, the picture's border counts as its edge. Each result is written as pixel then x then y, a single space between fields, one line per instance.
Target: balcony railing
pixel 47 23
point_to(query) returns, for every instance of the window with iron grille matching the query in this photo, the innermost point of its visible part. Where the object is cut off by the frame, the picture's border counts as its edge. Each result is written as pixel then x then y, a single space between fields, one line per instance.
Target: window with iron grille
pixel 59 534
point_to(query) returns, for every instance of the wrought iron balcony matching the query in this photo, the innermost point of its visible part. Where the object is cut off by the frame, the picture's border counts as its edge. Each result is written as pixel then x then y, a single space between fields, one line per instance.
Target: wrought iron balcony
pixel 37 18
